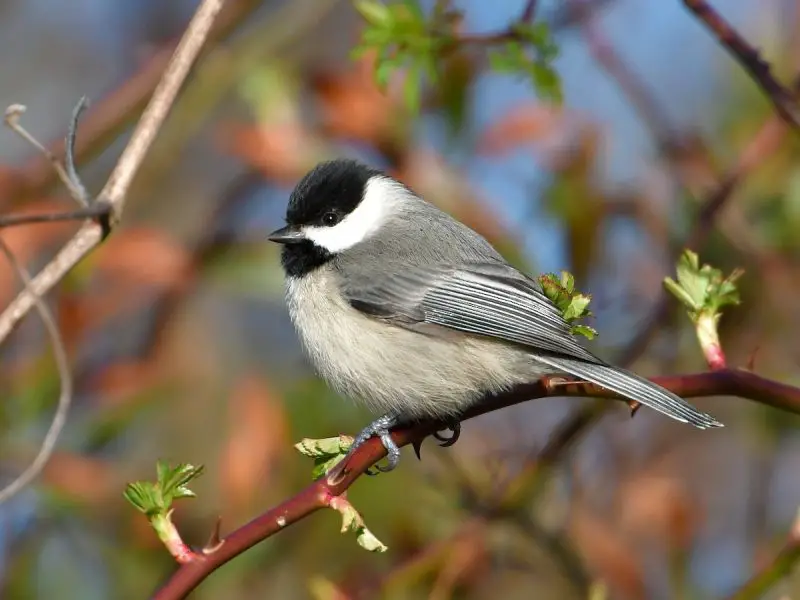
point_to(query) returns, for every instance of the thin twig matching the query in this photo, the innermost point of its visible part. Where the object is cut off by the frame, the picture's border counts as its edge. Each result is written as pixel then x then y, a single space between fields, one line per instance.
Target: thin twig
pixel 529 12
pixel 69 154
pixel 782 98
pixel 116 188
pixel 12 117
pixel 65 395
pixel 561 18
pixel 90 212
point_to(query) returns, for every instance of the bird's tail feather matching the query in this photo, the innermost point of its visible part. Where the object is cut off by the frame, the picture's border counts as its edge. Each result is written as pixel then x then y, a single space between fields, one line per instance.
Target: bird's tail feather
pixel 634 387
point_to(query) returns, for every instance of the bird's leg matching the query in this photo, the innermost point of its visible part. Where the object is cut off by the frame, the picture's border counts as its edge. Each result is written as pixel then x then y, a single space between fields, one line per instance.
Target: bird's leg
pixel 380 428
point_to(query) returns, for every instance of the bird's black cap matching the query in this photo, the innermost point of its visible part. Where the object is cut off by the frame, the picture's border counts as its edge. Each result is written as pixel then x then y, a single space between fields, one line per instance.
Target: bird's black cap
pixel 336 185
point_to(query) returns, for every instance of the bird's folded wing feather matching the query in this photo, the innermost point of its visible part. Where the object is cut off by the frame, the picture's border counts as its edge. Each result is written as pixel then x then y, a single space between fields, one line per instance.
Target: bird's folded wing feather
pixel 492 299
pixel 482 298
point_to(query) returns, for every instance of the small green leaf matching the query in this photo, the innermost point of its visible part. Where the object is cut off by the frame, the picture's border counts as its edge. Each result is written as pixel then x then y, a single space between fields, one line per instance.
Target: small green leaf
pixel 692 280
pixel 163 472
pixel 383 72
pixel 326 452
pixel 681 294
pixel 531 53
pixel 546 81
pixel 584 330
pixel 367 540
pixel 577 307
pixel 414 9
pixel 567 281
pixel 173 480
pixel 143 496
pixel 325 447
pixel 373 12
pixel 411 90
pixel 352 521
pixel 156 498
pixel 500 62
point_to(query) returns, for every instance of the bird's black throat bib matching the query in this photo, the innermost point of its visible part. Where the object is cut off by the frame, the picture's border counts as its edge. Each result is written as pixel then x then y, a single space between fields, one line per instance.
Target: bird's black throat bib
pixel 303 258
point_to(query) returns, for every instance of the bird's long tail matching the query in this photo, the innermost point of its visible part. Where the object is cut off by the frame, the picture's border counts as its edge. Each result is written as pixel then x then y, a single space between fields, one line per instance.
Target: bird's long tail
pixel 634 387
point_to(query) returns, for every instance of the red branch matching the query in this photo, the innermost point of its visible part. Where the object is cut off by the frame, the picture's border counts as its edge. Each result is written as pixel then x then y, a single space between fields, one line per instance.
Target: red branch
pixel 784 100
pixel 730 382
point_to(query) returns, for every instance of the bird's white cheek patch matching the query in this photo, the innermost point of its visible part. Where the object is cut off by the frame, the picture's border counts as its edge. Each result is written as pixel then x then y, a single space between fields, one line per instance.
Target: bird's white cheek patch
pixel 380 195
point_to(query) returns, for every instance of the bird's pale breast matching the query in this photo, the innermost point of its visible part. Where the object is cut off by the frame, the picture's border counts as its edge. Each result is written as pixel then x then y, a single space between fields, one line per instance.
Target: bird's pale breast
pixel 392 368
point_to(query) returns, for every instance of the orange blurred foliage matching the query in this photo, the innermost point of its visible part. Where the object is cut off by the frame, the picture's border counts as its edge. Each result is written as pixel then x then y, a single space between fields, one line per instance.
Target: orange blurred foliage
pixel 28 241
pixel 257 438
pixel 282 153
pixel 609 555
pixel 352 106
pixel 660 508
pixel 83 478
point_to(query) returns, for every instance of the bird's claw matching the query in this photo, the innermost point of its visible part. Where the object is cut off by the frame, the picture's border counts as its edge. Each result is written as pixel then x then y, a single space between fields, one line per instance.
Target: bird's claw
pixel 444 440
pixel 448 440
pixel 380 428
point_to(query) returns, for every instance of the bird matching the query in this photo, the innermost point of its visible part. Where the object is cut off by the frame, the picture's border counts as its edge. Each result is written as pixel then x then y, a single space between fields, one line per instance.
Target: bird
pixel 402 307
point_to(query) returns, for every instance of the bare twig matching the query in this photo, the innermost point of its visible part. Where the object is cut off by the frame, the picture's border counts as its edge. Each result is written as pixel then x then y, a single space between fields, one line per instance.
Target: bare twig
pixel 79 193
pixel 318 495
pixel 64 397
pixel 75 187
pixel 782 98
pixel 561 18
pixel 116 188
pixel 97 210
pixel 529 11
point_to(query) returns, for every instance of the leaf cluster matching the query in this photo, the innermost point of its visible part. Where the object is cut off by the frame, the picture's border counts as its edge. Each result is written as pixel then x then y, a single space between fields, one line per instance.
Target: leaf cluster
pixel 326 452
pixel 530 54
pixel 171 484
pixel 703 290
pixel 574 305
pixel 404 38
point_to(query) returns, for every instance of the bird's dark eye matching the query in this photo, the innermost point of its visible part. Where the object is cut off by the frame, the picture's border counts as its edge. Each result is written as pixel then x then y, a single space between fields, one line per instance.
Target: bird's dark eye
pixel 330 218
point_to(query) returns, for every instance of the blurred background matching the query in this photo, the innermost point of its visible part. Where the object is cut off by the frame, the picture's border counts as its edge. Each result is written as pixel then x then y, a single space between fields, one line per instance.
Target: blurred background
pixel 182 350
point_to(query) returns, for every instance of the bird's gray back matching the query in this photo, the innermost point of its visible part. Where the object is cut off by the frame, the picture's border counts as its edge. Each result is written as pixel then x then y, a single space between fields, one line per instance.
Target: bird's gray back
pixel 431 237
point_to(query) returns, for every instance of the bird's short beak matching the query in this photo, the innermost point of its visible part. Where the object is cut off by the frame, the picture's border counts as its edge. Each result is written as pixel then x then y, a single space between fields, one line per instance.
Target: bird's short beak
pixel 287 235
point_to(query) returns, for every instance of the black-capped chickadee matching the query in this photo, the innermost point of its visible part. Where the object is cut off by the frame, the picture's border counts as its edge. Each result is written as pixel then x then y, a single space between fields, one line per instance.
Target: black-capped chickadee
pixel 410 311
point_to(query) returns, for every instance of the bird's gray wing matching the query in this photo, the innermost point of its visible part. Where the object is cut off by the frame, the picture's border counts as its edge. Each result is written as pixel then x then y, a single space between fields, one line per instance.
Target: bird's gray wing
pixel 481 298
pixel 495 300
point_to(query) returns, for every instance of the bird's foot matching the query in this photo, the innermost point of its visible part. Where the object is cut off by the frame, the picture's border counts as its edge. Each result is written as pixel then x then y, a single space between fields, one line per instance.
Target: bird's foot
pixel 448 440
pixel 453 426
pixel 380 428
